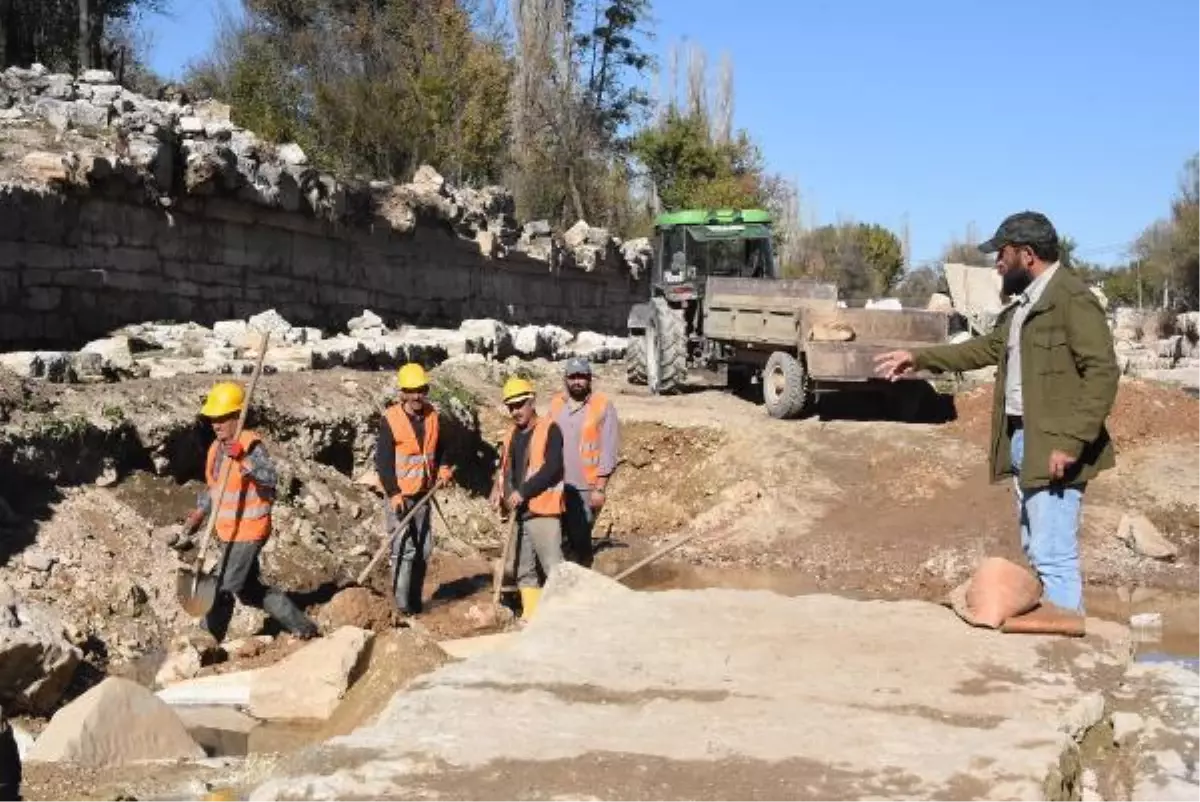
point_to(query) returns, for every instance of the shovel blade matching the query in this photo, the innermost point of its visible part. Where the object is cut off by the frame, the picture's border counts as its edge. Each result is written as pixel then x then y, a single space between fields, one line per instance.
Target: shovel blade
pixel 196 594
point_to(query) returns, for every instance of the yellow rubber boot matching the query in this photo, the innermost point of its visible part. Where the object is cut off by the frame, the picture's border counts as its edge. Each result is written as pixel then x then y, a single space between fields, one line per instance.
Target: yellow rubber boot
pixel 529 602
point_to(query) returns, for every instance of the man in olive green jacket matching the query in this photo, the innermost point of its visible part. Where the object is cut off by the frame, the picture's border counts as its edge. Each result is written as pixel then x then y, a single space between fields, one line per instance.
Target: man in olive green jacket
pixel 1056 381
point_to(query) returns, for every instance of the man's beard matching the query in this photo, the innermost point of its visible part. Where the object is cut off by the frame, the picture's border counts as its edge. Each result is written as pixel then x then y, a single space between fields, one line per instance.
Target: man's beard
pixel 578 394
pixel 1014 281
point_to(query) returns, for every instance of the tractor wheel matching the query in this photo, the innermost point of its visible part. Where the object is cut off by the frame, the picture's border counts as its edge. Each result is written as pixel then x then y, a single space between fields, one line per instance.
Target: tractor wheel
pixel 666 349
pixel 785 386
pixel 635 358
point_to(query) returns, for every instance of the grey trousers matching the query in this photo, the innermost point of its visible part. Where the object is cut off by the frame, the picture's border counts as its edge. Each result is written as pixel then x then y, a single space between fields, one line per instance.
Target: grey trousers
pixel 539 545
pixel 411 551
pixel 577 527
pixel 241 579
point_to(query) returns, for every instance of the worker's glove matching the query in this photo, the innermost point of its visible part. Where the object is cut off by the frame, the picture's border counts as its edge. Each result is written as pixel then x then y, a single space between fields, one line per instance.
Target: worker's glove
pixel 445 474
pixel 235 450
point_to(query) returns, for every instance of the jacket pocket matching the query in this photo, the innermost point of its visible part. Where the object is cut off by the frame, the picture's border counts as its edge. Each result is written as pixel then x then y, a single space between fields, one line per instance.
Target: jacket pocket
pixel 1051 352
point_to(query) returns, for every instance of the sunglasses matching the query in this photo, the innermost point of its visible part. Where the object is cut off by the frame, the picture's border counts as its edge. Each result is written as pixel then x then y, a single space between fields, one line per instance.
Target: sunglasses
pixel 516 406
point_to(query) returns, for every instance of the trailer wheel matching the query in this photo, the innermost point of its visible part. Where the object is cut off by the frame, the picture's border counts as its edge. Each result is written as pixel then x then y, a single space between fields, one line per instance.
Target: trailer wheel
pixel 635 358
pixel 666 349
pixel 785 386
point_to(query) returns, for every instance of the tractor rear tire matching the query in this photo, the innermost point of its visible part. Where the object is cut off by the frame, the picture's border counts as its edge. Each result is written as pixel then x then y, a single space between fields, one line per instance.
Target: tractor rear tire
pixel 635 358
pixel 785 386
pixel 666 349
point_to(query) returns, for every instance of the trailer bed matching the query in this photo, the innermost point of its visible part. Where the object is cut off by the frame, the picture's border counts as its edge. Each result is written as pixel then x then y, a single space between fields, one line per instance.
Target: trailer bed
pixel 802 317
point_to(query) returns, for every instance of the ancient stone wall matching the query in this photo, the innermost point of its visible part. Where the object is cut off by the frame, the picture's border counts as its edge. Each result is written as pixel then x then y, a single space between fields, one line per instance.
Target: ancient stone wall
pixel 74 267
pixel 116 208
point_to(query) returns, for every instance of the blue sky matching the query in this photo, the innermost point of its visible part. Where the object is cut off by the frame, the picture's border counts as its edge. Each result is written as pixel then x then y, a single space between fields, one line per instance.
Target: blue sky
pixel 945 111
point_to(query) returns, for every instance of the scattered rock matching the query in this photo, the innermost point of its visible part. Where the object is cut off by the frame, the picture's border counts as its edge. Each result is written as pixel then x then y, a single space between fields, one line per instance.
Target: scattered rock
pixel 270 321
pixel 115 723
pixel 169 535
pixel 127 598
pixel 115 353
pixel 179 665
pixel 1137 531
pixel 322 494
pixel 108 475
pixel 97 77
pixel 37 659
pixel 309 683
pixel 37 560
pixel 48 168
pixel 366 323
pixel 1125 726
pixel 291 153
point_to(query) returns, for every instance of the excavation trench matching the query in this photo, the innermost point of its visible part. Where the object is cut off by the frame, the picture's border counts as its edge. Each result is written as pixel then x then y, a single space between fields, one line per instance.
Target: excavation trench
pixel 91 474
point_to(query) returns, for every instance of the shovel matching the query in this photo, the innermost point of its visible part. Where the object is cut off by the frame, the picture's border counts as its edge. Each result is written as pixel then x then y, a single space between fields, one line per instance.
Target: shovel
pixel 195 590
pixel 387 541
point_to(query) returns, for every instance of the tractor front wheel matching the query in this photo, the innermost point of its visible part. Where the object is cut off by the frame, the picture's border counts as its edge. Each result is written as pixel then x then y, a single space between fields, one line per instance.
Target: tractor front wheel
pixel 666 349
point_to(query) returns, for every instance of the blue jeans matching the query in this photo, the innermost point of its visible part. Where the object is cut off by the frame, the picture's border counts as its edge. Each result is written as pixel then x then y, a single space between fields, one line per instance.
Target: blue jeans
pixel 1049 519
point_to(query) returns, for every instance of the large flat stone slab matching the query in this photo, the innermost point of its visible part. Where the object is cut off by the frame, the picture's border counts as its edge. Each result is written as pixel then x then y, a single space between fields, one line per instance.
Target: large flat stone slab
pixel 615 694
pixel 1167 735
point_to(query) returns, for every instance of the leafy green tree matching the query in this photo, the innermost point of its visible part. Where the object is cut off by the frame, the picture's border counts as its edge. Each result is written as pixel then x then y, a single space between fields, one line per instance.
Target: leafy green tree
pixel 73 35
pixel 369 87
pixel 690 170
pixel 865 260
pixel 916 285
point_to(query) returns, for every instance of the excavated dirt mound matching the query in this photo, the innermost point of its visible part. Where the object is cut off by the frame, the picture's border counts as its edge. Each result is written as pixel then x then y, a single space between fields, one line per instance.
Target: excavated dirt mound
pixel 359 607
pixel 1142 414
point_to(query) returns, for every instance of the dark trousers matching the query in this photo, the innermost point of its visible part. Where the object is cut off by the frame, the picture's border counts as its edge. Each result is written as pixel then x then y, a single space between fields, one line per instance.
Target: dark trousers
pixel 578 519
pixel 241 579
pixel 10 764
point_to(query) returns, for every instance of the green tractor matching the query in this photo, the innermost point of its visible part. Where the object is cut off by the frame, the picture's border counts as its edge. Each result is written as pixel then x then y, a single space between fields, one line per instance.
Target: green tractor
pixel 666 335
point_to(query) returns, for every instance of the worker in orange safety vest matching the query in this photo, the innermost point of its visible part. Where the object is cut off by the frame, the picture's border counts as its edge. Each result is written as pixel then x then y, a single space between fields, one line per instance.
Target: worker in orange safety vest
pixel 409 460
pixel 591 441
pixel 529 485
pixel 243 517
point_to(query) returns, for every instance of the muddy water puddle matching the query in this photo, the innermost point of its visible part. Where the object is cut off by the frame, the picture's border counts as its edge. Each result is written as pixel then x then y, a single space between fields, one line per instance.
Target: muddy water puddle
pixel 1176 639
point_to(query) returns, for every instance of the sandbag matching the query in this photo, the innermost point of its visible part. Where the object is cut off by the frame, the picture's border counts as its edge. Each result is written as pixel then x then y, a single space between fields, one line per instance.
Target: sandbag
pixel 1046 619
pixel 999 590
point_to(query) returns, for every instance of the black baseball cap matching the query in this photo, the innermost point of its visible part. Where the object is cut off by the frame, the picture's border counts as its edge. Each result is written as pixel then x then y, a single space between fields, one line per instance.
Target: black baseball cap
pixel 1022 228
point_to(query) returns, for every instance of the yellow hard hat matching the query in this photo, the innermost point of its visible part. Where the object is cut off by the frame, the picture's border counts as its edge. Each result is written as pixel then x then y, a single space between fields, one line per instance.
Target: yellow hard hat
pixel 517 389
pixel 223 399
pixel 412 377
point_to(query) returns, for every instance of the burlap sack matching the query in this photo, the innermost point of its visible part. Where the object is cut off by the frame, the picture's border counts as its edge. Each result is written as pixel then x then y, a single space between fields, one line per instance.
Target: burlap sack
pixel 999 590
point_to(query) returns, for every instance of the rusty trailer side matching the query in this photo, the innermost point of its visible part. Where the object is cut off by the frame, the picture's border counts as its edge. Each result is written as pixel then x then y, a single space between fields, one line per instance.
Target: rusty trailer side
pixel 867 333
pixel 758 316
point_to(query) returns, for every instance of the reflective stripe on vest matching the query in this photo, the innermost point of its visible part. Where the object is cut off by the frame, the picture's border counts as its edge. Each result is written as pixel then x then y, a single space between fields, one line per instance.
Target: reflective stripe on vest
pixel 414 466
pixel 589 435
pixel 242 514
pixel 550 501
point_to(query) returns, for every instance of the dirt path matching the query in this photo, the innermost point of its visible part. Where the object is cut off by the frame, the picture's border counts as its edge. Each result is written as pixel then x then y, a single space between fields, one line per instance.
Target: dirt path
pixel 891 508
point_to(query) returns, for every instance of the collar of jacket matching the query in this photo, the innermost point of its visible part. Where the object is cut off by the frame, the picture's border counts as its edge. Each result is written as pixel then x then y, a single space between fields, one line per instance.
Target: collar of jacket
pixel 1045 301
